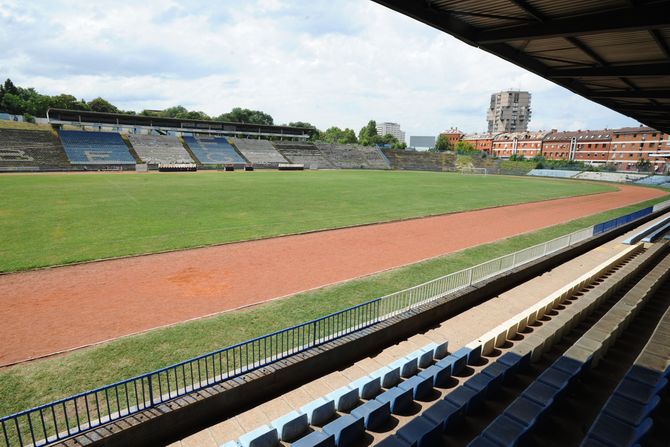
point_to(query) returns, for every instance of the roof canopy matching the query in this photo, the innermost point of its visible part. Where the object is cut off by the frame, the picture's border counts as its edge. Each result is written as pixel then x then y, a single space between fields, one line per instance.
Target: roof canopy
pixel 614 52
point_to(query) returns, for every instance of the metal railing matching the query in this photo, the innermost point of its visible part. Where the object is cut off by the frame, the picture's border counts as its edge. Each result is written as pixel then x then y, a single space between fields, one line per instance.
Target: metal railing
pixel 61 419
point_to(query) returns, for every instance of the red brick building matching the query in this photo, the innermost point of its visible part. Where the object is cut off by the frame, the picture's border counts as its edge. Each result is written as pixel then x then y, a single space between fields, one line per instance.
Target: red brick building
pixel 589 146
pixel 632 145
pixel 481 141
pixel 453 135
pixel 526 144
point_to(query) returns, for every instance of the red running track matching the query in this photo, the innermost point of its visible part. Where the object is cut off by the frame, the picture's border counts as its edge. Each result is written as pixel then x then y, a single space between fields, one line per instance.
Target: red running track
pixel 49 311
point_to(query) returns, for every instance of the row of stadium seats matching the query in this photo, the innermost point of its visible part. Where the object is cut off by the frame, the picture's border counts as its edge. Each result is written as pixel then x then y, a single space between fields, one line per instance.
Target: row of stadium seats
pixel 349 156
pixel 420 161
pixel 154 149
pixel 558 173
pixel 95 148
pixel 25 148
pixel 260 152
pixel 214 151
pixel 304 153
pixel 342 417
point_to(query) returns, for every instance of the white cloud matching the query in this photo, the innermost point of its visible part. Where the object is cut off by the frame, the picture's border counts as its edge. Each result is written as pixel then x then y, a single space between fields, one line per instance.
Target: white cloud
pixel 331 63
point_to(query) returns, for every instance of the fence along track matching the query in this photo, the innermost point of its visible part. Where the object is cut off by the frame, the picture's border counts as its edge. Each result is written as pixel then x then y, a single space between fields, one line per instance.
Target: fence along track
pixel 64 418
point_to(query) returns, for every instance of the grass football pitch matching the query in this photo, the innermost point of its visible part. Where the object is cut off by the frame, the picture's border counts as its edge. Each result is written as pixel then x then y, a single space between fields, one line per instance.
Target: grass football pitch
pixel 58 219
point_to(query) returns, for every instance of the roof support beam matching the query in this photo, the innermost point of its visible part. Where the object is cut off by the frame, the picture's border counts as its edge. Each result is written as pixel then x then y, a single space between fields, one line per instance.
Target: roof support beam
pixel 642 17
pixel 654 69
pixel 640 94
pixel 660 41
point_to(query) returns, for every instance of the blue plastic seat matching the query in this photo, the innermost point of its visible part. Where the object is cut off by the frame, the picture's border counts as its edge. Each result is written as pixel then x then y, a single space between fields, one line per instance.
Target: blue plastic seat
pixel 291 425
pixel 347 429
pixel 374 413
pixel 421 386
pixel 440 375
pixel 264 436
pixel 613 432
pixel 504 431
pixel 446 414
pixel 315 439
pixel 420 432
pixel 398 398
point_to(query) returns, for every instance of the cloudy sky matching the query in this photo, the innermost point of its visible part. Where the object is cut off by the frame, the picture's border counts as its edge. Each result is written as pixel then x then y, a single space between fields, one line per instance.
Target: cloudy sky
pixel 329 62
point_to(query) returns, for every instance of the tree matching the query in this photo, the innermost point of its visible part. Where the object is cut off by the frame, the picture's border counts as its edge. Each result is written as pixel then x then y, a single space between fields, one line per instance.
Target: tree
pixel 464 147
pixel 12 104
pixel 302 124
pixel 340 136
pixel 367 134
pixel 240 115
pixel 69 102
pixel 9 87
pixel 101 105
pixel 442 144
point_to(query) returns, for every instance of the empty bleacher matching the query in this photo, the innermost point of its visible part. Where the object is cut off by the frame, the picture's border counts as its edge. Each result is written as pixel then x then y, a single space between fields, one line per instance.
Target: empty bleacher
pixel 619 177
pixel 421 161
pixel 95 148
pixel 214 151
pixel 354 156
pixel 304 153
pixel 30 150
pixel 655 180
pixel 258 152
pixel 541 378
pixel 557 173
pixel 158 149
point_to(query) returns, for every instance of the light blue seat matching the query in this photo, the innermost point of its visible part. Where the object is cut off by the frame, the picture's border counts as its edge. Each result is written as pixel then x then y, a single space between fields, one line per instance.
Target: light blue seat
pixel 264 436
pixel 399 399
pixel 347 429
pixel 291 425
pixel 319 411
pixel 421 387
pixel 389 375
pixel 441 350
pixel 439 374
pixel 374 413
pixel 345 398
pixel 315 439
pixel 368 386
pixel 426 355
pixel 408 366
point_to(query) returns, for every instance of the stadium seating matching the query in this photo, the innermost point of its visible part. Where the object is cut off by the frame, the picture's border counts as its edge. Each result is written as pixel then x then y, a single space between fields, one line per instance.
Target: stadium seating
pixel 654 180
pixel 158 149
pixel 354 156
pixel 421 161
pixel 625 417
pixel 258 152
pixel 558 173
pixel 304 153
pixel 30 149
pixel 214 151
pixel 95 148
pixel 619 177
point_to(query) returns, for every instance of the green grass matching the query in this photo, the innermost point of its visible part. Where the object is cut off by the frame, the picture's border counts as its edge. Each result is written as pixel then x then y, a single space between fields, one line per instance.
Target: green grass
pixel 38 382
pixel 58 219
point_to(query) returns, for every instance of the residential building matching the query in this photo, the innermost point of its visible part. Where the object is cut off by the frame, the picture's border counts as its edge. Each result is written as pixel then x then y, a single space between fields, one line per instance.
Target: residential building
pixel 633 145
pixel 526 144
pixel 392 128
pixel 481 141
pixel 509 112
pixel 453 135
pixel 589 146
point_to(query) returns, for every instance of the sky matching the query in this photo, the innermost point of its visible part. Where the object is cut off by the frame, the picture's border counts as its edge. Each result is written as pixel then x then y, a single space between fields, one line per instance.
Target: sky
pixel 328 62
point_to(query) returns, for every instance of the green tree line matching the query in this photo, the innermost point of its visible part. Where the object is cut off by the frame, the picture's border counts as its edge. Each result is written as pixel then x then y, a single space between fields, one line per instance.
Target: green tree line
pixel 28 102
